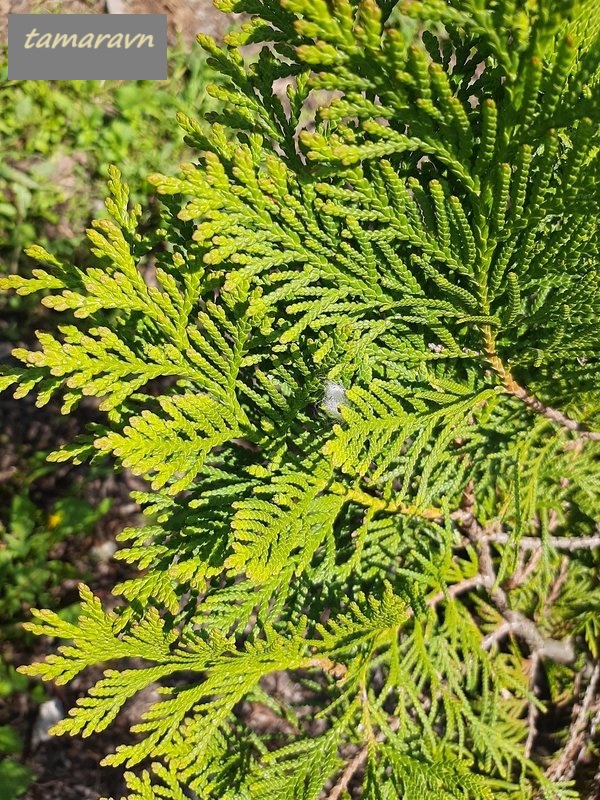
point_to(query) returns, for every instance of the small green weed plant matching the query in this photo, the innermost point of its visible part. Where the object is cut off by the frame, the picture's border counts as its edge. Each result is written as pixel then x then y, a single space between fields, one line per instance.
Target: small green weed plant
pixel 29 572
pixel 15 777
pixel 58 139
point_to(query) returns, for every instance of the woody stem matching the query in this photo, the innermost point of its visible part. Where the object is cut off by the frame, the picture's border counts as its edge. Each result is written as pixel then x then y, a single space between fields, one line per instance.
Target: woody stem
pixel 512 387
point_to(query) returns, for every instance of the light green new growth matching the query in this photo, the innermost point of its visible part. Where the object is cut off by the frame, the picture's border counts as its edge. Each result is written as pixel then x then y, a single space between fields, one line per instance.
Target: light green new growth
pixel 412 227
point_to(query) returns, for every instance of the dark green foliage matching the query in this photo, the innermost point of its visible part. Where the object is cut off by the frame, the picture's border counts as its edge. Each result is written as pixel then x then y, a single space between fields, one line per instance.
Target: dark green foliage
pixel 375 318
pixel 14 777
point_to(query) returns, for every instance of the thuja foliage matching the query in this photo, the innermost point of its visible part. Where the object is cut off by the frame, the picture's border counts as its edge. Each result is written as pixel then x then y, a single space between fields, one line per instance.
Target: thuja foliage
pixel 363 384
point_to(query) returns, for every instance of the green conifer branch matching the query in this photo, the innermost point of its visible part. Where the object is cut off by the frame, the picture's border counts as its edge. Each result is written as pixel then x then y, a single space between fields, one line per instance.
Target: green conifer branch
pixel 360 280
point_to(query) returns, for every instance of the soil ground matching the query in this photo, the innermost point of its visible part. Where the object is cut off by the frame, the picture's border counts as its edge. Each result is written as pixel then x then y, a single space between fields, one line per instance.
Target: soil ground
pixel 186 18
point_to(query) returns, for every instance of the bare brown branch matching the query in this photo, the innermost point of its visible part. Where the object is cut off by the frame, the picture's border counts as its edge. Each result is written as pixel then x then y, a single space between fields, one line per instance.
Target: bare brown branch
pixel 355 764
pixel 352 767
pixel 514 388
pixel 533 712
pixel 564 766
pixel 557 542
pixel 515 622
pixel 456 589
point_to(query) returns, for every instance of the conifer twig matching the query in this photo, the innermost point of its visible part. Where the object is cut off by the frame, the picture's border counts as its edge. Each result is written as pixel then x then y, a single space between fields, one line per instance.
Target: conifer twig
pixel 552 414
pixel 557 584
pixel 456 589
pixel 352 767
pixel 564 766
pixel 514 388
pixel 516 623
pixel 461 516
pixel 379 504
pixel 355 764
pixel 533 712
pixel 568 543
